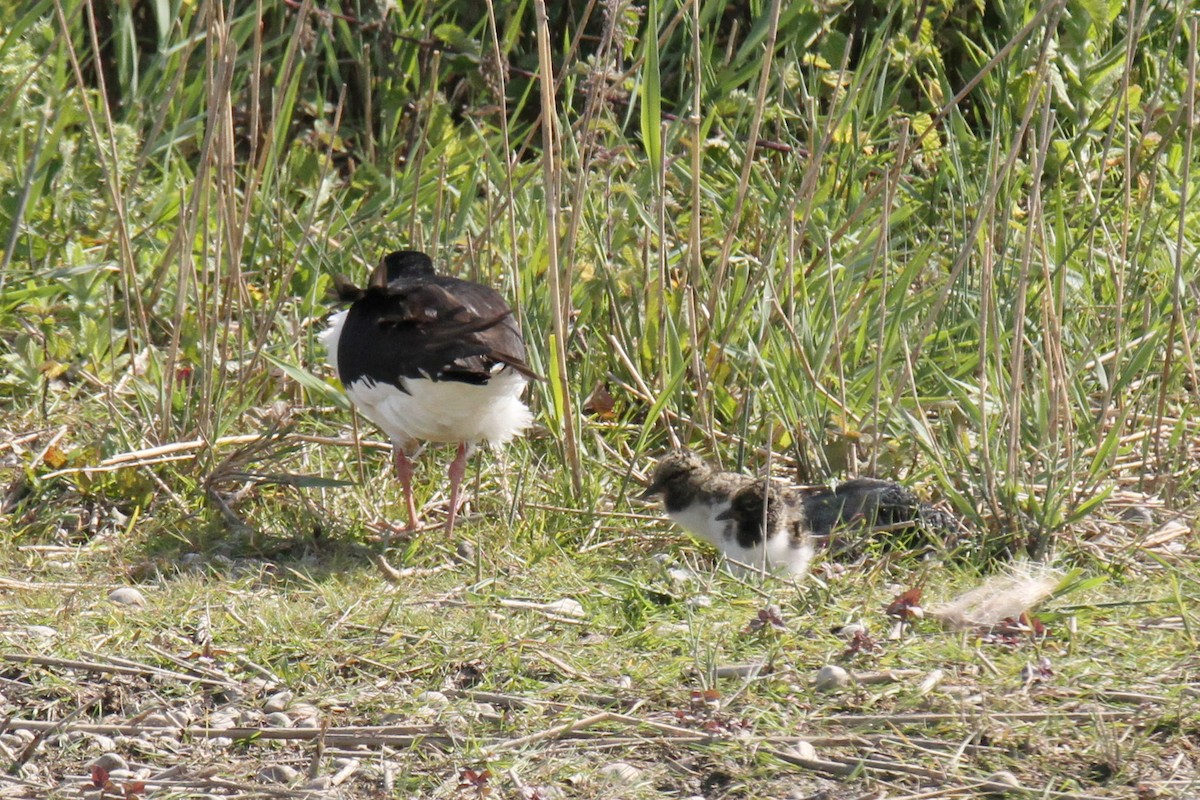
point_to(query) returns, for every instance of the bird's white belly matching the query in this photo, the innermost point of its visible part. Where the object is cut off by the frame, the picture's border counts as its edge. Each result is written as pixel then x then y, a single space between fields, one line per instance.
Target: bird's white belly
pixel 437 411
pixel 700 519
pixel 445 411
pixel 780 556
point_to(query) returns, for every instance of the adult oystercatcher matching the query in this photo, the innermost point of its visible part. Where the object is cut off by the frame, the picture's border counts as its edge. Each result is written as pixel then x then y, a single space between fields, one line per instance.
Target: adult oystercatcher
pixel 430 358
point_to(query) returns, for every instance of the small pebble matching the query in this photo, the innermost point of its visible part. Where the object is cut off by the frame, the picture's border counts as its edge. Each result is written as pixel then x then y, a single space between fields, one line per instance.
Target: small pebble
pixel 484 710
pixel 277 773
pixel 830 677
pixel 681 574
pixel 278 719
pixel 804 749
pixel 620 772
pixel 110 762
pixel 127 596
pixel 850 630
pixel 44 631
pixel 157 721
pixel 931 681
pixel 318 784
pixel 278 701
pixel 305 715
pixel 699 601
pixel 225 718
pixel 566 607
pixel 433 699
pixel 1002 782
pixel 102 742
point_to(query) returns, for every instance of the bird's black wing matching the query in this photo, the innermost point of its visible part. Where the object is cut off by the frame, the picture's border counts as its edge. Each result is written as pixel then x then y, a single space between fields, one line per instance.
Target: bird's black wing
pixel 430 327
pixel 860 501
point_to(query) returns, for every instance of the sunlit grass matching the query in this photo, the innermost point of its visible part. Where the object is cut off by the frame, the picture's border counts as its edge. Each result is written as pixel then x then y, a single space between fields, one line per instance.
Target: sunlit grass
pixel 958 255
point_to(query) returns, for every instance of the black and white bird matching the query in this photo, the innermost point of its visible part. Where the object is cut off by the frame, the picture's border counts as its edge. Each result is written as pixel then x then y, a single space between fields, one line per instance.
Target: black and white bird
pixel 767 528
pixel 701 500
pixel 694 493
pixel 430 358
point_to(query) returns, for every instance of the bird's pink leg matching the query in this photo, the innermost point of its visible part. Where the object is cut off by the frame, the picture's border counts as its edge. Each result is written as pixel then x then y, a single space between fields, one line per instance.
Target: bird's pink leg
pixel 404 471
pixel 458 469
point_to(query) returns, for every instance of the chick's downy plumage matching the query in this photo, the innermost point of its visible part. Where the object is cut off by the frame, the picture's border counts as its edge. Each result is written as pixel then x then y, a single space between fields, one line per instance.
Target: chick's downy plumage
pixel 768 524
pixel 701 499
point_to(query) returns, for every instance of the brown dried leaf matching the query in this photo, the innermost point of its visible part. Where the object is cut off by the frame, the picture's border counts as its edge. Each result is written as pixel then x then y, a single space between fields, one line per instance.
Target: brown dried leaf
pixel 907 605
pixel 600 402
pixel 54 457
pixel 475 779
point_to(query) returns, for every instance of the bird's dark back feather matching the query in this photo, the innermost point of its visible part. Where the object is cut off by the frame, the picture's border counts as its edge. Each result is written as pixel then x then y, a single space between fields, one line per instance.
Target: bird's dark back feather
pixel 867 503
pixel 861 501
pixel 412 323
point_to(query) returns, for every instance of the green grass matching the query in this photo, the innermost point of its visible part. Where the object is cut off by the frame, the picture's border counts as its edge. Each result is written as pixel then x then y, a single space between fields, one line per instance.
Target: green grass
pixel 953 249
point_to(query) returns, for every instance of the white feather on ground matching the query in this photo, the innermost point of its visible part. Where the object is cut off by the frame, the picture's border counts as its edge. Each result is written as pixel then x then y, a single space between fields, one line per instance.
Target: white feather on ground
pixel 1000 597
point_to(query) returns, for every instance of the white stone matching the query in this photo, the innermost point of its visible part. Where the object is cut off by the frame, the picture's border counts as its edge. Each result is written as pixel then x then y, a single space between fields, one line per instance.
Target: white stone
pixel 278 701
pixel 830 677
pixel 277 773
pixel 620 772
pixel 127 596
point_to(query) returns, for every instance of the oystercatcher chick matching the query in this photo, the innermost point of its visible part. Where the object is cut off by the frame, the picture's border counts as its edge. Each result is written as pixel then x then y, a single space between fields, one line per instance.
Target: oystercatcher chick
pixel 725 509
pixel 693 494
pixel 767 528
pixel 430 358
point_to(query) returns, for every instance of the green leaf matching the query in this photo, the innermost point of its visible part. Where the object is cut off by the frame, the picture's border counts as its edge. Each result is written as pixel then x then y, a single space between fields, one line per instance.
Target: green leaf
pixel 311 383
pixel 651 94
